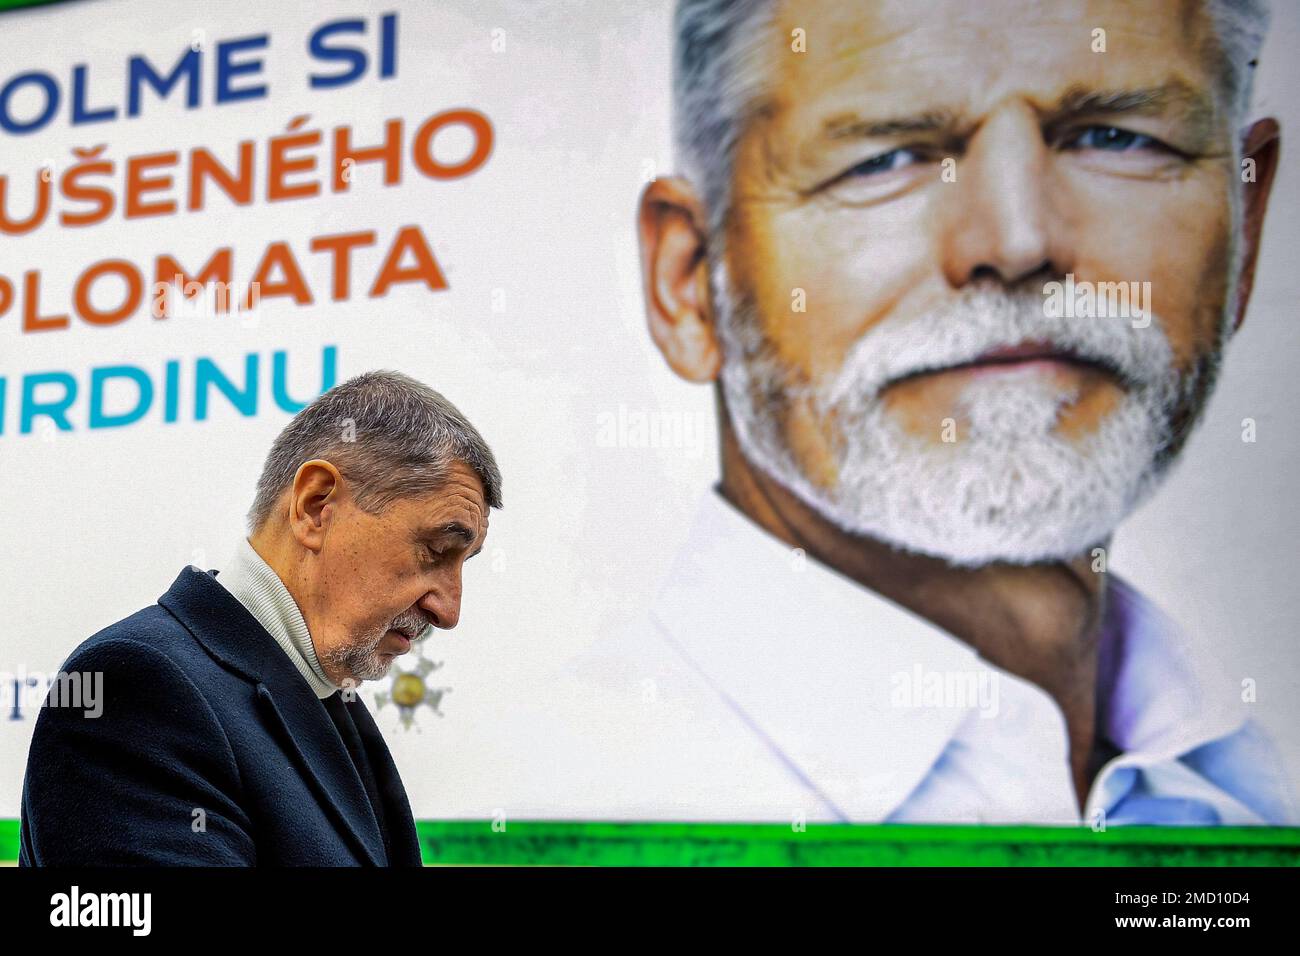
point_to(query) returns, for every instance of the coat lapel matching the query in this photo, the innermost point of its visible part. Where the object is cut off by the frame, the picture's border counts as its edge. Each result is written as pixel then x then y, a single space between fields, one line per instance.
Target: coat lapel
pixel 232 635
pixel 397 808
pixel 315 742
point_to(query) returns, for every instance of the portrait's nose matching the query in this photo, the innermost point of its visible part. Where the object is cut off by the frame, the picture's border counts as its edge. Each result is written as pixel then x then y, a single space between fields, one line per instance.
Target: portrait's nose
pixel 998 219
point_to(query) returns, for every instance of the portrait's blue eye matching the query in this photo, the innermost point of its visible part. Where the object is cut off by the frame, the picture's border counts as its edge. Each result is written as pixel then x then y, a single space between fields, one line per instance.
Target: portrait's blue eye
pixel 1111 138
pixel 884 163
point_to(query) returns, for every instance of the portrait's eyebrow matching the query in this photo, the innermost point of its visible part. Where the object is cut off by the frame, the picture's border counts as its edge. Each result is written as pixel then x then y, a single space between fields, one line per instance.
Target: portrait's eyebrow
pixel 853 126
pixel 847 126
pixel 1175 98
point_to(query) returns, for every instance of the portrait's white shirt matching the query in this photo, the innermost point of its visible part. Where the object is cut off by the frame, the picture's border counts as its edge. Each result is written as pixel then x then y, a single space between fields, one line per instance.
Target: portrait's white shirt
pixel 768 687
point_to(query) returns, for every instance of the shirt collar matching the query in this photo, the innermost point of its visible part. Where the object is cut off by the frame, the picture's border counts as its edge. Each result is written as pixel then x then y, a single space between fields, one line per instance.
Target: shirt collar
pixel 1168 695
pixel 809 658
pixel 255 585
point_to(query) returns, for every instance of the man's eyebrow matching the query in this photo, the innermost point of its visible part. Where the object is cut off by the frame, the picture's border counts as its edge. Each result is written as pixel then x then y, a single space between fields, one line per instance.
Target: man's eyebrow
pixel 454 528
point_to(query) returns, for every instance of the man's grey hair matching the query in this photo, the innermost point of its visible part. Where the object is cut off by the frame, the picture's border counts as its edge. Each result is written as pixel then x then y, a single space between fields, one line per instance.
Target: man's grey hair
pixel 390 436
pixel 722 58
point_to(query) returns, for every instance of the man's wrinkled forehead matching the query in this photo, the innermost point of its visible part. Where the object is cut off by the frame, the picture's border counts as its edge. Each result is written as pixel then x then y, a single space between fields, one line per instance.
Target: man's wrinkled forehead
pixel 919 57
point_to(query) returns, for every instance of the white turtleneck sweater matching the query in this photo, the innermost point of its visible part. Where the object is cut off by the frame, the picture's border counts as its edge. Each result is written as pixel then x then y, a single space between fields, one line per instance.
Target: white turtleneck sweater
pixel 256 586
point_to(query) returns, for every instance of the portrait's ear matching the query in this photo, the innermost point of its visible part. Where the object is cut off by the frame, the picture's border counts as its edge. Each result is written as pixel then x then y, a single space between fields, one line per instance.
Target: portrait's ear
pixel 313 498
pixel 675 278
pixel 1259 153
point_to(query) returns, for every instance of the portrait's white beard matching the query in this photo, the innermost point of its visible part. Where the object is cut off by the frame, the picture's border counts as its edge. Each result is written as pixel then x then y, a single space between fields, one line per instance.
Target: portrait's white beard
pixel 1008 487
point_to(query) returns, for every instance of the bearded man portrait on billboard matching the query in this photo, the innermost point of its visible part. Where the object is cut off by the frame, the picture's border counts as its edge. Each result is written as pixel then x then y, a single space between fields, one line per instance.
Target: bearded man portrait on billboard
pixel 962 276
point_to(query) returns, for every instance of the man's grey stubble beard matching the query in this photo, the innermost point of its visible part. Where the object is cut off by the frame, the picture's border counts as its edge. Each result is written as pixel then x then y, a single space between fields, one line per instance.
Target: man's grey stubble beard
pixel 361 659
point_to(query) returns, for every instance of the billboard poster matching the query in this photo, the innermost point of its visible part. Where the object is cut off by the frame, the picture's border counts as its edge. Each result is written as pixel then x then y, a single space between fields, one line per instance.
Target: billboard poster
pixel 860 413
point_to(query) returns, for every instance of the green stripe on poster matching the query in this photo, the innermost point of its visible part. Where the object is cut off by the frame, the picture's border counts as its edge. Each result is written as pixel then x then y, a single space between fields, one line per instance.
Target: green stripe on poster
pixel 8 835
pixel 15 4
pixel 568 843
pixel 716 844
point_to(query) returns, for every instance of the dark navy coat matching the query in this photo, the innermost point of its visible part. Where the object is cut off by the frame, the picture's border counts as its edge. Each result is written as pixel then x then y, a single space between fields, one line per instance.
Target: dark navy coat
pixel 203 711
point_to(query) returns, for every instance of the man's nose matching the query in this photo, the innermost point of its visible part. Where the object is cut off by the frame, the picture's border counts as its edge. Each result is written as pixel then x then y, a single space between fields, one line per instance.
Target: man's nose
pixel 442 606
pixel 999 219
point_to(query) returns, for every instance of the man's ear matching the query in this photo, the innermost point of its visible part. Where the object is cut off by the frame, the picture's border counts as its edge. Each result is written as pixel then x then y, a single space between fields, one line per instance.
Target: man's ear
pixel 675 278
pixel 314 495
pixel 1260 148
